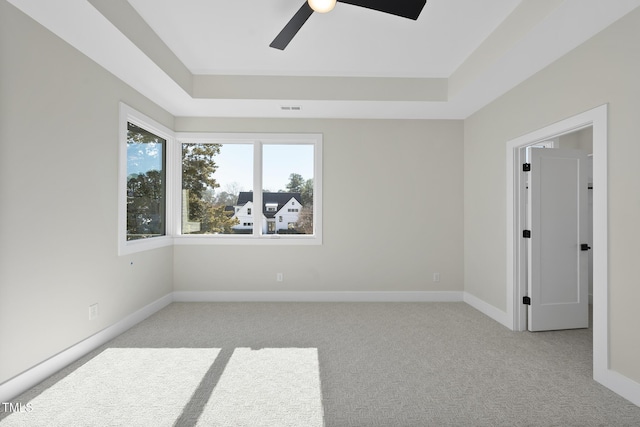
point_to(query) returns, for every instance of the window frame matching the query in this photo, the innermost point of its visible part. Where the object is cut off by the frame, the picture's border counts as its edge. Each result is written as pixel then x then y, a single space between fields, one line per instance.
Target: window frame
pixel 259 140
pixel 130 115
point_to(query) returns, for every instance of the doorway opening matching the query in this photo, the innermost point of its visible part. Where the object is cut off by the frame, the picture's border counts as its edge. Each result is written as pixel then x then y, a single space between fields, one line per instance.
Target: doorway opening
pixel 596 120
pixel 554 211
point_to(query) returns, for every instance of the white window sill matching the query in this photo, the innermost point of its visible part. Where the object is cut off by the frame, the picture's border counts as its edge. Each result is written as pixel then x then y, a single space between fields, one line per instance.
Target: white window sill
pixel 268 240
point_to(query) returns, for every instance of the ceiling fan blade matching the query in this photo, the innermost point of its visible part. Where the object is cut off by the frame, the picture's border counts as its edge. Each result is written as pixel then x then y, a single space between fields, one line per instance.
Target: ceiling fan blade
pixel 406 8
pixel 293 26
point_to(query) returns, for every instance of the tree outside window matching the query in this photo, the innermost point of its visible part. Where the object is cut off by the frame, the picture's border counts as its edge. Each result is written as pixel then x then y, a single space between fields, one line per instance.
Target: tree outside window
pixel 146 184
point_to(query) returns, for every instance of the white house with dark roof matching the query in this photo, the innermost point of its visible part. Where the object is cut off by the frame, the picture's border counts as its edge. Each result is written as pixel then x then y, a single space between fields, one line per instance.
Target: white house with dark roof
pixel 280 211
pixel 430 123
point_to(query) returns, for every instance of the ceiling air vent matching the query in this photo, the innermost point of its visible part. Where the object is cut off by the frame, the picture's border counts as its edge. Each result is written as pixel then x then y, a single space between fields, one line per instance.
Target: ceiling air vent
pixel 290 107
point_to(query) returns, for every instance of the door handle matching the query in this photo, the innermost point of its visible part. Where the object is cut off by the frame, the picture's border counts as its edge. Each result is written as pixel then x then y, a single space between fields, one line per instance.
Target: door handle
pixel 585 247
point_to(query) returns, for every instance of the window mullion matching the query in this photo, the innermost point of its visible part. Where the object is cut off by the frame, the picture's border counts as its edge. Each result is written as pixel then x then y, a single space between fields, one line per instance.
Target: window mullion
pixel 170 177
pixel 257 189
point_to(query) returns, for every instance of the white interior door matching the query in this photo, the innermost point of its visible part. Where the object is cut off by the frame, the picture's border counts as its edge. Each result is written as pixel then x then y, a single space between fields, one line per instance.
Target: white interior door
pixel 557 220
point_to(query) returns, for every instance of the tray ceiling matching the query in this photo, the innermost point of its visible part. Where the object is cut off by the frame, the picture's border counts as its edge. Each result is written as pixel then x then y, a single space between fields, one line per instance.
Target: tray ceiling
pixel 212 57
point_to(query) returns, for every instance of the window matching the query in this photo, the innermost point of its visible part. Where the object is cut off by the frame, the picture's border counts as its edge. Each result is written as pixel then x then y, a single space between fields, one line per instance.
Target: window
pixel 144 188
pixel 219 173
pixel 215 177
pixel 146 183
pixel 289 170
pixel 204 188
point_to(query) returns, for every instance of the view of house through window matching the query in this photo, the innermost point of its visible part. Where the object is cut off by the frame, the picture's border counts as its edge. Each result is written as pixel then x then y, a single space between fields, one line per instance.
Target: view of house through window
pixel 217 189
pixel 146 184
pixel 287 171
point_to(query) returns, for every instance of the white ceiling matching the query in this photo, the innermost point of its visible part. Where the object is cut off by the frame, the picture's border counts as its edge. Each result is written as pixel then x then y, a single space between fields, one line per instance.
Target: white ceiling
pixel 232 37
pixel 212 57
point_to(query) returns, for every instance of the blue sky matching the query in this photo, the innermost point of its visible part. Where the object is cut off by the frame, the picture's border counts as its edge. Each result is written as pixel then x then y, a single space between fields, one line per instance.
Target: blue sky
pixel 235 163
pixel 142 158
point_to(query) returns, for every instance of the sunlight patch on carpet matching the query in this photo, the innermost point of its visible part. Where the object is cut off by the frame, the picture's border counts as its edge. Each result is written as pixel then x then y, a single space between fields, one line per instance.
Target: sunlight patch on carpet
pixel 121 386
pixel 267 387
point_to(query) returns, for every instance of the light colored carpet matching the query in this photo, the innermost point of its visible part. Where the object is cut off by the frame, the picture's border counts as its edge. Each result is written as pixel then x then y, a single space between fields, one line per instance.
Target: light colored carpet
pixel 267 387
pixel 338 364
pixel 121 386
pixel 152 387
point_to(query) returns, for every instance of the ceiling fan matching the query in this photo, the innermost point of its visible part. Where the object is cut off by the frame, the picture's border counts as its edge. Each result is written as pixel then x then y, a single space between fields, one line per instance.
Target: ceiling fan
pixel 406 8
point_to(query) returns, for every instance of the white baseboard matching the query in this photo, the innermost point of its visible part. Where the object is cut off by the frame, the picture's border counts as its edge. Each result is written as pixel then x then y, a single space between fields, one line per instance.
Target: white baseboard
pixel 613 380
pixel 487 309
pixel 619 384
pixel 24 381
pixel 337 296
pixel 616 382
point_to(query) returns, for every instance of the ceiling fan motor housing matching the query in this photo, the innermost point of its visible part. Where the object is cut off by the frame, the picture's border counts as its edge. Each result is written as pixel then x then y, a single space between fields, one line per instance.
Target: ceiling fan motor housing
pixel 410 9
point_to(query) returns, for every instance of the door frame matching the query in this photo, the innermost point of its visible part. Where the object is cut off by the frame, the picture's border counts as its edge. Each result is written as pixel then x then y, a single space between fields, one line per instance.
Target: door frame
pixel 516 311
pixel 556 238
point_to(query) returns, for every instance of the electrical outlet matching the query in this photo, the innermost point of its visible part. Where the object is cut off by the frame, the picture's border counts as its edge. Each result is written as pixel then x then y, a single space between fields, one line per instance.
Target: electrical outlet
pixel 436 277
pixel 93 311
pixel 279 277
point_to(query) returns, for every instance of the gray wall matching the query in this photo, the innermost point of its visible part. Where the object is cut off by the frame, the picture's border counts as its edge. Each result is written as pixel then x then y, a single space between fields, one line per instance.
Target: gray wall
pixel 603 70
pixel 580 140
pixel 392 213
pixel 393 205
pixel 58 198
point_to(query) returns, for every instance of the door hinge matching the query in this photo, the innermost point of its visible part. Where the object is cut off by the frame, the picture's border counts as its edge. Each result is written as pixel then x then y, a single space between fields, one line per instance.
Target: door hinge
pixel 526 234
pixel 584 247
pixel 526 167
pixel 526 300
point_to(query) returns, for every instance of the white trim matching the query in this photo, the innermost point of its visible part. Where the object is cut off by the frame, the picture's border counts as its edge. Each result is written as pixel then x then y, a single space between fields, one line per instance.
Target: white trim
pixel 620 384
pixel 33 376
pixel 317 192
pixel 173 165
pixel 250 138
pixel 24 381
pixel 128 114
pixel 499 316
pixel 258 203
pixel 611 379
pixel 230 239
pixel 317 296
pixel 258 140
pixel 600 245
pixel 597 118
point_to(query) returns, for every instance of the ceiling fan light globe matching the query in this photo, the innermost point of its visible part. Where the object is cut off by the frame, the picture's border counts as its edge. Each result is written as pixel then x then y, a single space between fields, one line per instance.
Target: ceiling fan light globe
pixel 322 6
